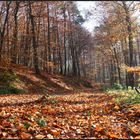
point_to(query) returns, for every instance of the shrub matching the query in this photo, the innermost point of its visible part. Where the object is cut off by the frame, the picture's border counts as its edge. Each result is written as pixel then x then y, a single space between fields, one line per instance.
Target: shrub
pixel 16 90
pixel 41 123
pixel 133 99
pixel 11 90
pixel 7 78
pixel 117 86
pixel 86 83
pixel 104 88
pixel 125 96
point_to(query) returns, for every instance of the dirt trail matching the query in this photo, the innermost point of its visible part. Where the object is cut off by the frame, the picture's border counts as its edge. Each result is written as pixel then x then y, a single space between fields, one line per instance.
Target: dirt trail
pixel 18 99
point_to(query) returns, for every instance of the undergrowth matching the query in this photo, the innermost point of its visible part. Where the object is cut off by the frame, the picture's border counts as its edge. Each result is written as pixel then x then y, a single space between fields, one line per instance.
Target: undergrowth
pixel 123 95
pixel 11 90
pixel 7 79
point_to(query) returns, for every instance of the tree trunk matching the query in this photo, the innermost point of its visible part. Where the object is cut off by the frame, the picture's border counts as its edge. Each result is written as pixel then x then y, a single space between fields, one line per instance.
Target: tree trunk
pixel 15 34
pixel 49 45
pixel 130 43
pixel 34 43
pixel 2 31
pixel 118 67
pixel 65 56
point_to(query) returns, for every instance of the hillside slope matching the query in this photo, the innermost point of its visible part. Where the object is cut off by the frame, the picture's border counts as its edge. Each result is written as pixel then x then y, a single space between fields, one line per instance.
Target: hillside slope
pixel 71 111
pixel 45 83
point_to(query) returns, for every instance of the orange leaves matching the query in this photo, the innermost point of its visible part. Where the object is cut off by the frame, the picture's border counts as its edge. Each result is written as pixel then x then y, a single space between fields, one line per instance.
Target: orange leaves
pixel 102 131
pixel 116 107
pixel 54 132
pixel 137 137
pixel 131 69
pixel 39 136
pixel 20 127
pixel 5 123
pixel 5 115
pixel 25 135
pixel 34 110
pixel 70 116
pixel 49 136
pixel 57 126
pixel 111 135
pixel 48 110
pixel 135 130
pixel 98 128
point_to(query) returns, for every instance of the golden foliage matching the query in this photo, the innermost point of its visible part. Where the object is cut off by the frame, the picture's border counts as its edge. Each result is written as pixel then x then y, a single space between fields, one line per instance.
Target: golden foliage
pixel 131 69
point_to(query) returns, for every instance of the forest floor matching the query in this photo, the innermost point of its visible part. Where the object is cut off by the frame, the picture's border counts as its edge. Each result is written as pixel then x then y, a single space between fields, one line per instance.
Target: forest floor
pixel 65 112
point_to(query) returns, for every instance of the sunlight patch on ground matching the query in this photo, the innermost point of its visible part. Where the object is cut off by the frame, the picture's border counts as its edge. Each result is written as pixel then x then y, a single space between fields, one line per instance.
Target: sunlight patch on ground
pixel 61 84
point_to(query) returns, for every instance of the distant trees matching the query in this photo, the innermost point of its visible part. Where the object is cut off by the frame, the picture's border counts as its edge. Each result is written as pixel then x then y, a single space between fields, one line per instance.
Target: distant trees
pixel 44 35
pixel 48 35
pixel 4 16
pixel 115 39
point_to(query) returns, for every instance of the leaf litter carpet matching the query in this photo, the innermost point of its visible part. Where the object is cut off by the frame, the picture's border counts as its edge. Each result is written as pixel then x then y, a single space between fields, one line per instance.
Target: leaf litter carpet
pixel 77 114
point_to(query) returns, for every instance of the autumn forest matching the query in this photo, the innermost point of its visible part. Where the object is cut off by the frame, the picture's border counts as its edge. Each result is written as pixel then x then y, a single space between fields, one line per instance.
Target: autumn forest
pixel 58 80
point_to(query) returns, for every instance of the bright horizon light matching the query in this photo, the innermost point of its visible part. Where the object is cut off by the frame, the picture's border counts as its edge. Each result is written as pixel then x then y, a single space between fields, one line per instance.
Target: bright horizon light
pixel 83 6
pixel 90 24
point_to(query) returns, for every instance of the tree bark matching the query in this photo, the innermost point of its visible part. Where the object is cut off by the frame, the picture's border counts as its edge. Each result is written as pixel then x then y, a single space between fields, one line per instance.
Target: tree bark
pixel 2 30
pixel 34 43
pixel 15 34
pixel 49 45
pixel 130 43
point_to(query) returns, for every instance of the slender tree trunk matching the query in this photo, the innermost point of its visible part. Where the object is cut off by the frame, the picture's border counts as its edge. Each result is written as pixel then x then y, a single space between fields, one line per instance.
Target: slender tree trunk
pixel 59 52
pixel 15 34
pixel 27 42
pixel 49 45
pixel 65 56
pixel 2 30
pixel 34 43
pixel 118 67
pixel 130 43
pixel 45 45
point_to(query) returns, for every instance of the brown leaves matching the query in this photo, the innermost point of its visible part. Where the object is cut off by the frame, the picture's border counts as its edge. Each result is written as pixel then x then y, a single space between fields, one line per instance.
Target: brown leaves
pixel 98 128
pixel 112 135
pixel 137 137
pixel 39 136
pixel 135 130
pixel 5 123
pixel 48 110
pixel 116 107
pixel 25 135
pixel 77 115
pixel 55 133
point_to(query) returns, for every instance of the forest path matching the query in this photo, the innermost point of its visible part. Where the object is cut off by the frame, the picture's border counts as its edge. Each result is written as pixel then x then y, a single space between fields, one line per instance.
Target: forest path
pixel 23 98
pixel 75 114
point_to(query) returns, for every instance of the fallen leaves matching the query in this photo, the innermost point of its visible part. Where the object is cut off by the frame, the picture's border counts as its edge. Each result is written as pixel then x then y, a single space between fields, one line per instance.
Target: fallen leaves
pixel 98 128
pixel 137 137
pixel 55 133
pixel 112 135
pixel 39 136
pixel 135 130
pixel 70 116
pixel 116 107
pixel 49 136
pixel 25 135
pixel 5 123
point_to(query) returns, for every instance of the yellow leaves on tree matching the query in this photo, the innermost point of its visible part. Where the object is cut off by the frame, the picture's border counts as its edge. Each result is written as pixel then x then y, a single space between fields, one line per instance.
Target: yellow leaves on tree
pixel 131 69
